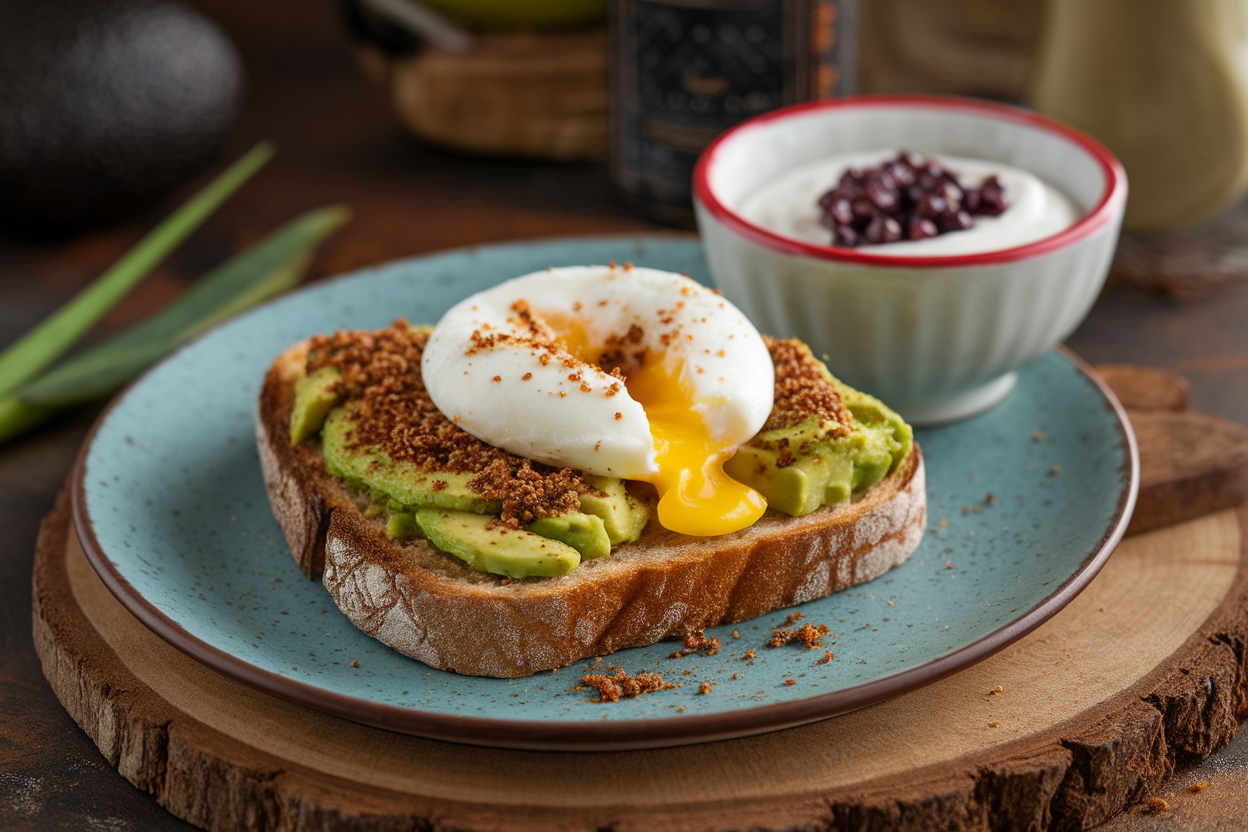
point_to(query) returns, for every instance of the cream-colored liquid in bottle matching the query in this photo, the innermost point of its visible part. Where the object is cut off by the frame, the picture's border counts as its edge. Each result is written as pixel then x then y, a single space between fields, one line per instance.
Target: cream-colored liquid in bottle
pixel 1164 84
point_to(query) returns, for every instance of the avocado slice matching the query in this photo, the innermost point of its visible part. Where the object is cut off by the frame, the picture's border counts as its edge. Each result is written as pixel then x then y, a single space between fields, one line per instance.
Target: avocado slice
pixel 498 550
pixel 583 532
pixel 402 524
pixel 824 469
pixel 811 481
pixel 400 482
pixel 622 516
pixel 314 398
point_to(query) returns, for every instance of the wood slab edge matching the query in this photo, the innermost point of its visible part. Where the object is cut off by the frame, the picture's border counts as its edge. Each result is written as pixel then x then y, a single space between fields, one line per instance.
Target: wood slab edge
pixel 1086 770
pixel 197 773
pixel 1075 775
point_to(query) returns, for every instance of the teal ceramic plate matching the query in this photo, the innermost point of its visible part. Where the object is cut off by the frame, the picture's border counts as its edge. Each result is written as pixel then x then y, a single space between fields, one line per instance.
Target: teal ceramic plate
pixel 1025 503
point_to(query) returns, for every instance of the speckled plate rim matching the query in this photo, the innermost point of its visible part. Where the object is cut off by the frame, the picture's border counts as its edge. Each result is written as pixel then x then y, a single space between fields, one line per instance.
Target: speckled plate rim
pixel 608 735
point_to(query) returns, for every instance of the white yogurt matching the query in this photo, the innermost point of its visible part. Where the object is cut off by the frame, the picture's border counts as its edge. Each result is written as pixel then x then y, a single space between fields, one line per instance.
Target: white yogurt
pixel 789 206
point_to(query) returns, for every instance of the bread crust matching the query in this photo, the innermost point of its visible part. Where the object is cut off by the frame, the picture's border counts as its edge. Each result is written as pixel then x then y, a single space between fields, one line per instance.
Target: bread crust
pixel 430 606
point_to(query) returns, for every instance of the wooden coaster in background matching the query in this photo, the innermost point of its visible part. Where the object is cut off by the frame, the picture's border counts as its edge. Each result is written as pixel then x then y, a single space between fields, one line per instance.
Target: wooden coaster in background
pixel 1193 262
pixel 515 94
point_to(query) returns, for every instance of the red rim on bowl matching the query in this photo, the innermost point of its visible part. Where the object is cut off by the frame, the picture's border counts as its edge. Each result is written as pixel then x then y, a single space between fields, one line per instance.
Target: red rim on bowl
pixel 1105 210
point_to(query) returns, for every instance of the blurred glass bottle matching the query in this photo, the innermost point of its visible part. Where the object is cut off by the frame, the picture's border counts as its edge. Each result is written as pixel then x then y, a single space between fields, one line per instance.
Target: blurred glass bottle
pixel 1164 84
pixel 684 72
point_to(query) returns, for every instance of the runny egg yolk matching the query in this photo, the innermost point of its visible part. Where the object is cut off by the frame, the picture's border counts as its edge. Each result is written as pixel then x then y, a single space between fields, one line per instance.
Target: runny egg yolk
pixel 696 497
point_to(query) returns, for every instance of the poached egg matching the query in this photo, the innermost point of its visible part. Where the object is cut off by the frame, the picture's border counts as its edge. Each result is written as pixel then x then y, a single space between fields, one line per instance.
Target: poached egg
pixel 616 371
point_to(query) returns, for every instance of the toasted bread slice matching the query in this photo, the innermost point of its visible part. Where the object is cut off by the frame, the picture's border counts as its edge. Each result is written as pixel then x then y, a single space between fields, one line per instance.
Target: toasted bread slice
pixel 433 607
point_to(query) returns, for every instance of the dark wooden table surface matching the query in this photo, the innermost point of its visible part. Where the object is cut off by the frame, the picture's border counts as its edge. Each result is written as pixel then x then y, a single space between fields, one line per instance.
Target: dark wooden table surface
pixel 338 143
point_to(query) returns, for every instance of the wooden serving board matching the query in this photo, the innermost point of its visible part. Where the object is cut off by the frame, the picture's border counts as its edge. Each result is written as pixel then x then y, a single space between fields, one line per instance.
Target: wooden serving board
pixel 1145 670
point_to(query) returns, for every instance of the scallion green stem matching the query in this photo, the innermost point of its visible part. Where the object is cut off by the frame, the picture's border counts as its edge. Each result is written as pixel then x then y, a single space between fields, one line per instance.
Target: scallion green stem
pixel 268 268
pixel 47 341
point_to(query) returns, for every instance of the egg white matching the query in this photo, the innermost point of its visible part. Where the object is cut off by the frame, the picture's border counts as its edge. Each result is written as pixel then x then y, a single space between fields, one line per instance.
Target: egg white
pixel 589 422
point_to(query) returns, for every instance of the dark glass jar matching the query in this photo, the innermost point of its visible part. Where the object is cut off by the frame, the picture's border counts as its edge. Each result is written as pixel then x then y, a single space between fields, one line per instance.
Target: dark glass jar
pixel 683 72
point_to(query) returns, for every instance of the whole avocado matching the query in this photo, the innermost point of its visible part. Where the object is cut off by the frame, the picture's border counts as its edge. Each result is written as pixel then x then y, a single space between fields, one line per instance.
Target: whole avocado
pixel 107 104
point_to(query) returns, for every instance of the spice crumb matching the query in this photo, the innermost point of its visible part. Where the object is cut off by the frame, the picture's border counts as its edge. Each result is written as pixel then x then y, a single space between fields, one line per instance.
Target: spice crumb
pixel 1038 436
pixel 1055 470
pixel 735 634
pixel 828 656
pixel 1157 806
pixel 808 634
pixel 354 663
pixel 1197 788
pixel 611 688
pixel 790 681
pixel 697 642
pixel 996 690
pixel 705 688
pixel 994 724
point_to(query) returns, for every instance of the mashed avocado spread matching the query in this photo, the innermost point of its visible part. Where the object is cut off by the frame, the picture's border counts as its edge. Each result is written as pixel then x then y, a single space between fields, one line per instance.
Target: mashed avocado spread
pixel 823 444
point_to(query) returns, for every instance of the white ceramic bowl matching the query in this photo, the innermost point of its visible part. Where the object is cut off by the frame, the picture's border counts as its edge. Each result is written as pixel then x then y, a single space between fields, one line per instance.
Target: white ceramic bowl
pixel 936 337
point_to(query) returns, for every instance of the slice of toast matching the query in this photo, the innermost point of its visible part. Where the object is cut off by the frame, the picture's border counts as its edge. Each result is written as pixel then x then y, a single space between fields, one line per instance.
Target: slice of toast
pixel 433 607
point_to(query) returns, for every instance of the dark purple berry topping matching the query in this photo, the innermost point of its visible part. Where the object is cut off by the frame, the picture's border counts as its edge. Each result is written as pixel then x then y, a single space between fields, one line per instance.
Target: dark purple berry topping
pixel 905 199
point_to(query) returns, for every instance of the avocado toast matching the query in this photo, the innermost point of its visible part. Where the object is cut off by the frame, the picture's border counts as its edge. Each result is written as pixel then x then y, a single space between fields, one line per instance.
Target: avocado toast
pixel 399 520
